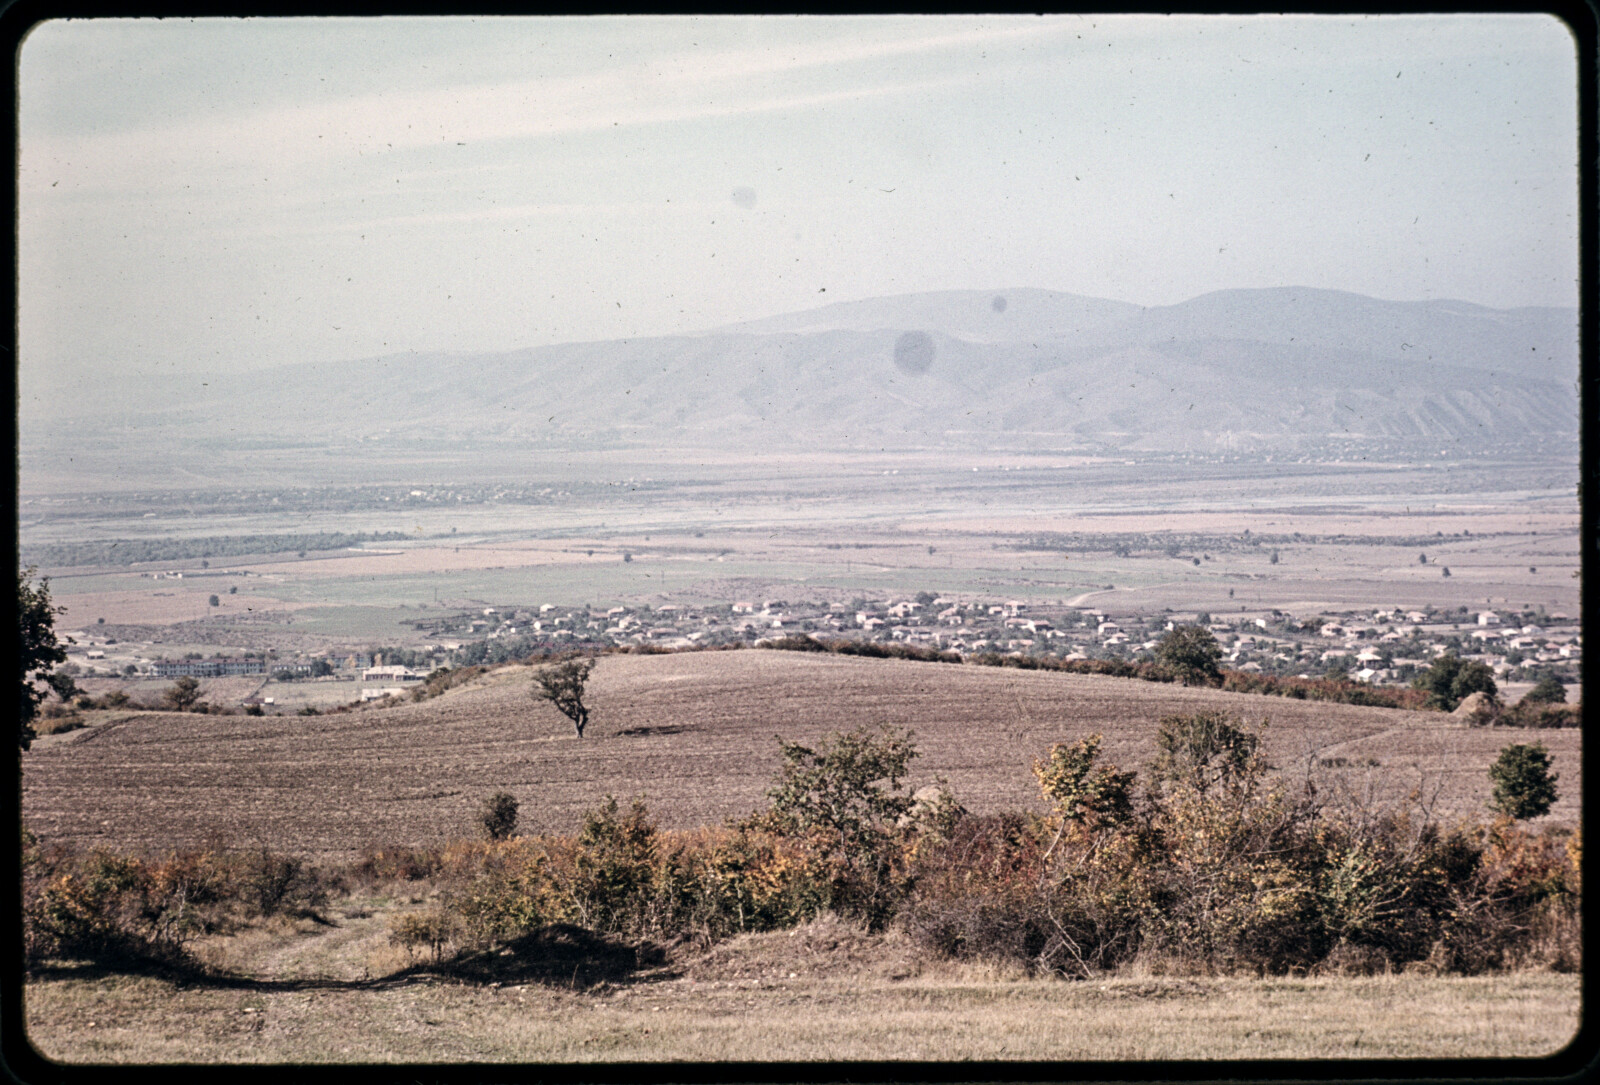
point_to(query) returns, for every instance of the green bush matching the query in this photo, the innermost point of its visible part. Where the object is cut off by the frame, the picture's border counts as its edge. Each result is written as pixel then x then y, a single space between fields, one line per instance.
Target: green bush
pixel 1451 680
pixel 498 817
pixel 614 868
pixel 1191 654
pixel 1548 690
pixel 847 798
pixel 1524 786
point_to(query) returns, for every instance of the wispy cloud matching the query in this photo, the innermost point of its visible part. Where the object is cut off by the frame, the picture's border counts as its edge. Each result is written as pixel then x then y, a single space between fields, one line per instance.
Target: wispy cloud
pixel 684 86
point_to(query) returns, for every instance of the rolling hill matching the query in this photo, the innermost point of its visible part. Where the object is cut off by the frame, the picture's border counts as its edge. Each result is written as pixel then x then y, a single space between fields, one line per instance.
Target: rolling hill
pixel 695 734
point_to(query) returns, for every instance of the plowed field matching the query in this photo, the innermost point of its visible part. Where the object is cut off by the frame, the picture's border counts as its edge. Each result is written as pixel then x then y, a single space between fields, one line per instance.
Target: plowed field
pixel 693 733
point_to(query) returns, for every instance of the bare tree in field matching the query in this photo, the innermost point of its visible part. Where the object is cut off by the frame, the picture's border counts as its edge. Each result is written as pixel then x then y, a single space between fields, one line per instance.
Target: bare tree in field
pixel 562 685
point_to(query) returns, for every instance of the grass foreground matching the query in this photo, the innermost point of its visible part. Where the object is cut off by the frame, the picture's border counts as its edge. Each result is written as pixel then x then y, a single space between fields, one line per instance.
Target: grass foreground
pixel 826 991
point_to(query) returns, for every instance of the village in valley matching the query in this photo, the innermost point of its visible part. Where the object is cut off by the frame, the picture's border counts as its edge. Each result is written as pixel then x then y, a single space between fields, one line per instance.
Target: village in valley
pixel 1381 646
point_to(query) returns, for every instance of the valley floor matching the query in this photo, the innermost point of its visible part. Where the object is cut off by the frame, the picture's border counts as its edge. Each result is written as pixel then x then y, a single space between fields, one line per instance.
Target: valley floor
pixel 823 992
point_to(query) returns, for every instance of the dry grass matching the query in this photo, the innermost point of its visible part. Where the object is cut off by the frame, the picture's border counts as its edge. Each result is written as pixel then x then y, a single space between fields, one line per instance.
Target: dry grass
pixel 825 992
pixel 694 733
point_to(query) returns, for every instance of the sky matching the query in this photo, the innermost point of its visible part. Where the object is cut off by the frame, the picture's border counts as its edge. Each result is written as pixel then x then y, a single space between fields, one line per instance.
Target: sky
pixel 200 195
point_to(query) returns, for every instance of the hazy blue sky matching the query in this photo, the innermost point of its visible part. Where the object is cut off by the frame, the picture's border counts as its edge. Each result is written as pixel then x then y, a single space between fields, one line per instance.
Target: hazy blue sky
pixel 249 192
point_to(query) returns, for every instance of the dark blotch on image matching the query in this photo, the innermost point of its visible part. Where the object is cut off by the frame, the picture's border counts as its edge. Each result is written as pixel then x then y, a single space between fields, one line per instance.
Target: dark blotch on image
pixel 913 352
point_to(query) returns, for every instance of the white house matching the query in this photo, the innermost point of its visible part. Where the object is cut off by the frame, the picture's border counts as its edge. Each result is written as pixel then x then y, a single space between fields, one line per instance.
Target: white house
pixel 391 674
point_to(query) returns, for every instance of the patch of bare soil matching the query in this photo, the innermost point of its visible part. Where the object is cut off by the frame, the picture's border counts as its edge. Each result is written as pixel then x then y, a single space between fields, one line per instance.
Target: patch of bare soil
pixel 828 947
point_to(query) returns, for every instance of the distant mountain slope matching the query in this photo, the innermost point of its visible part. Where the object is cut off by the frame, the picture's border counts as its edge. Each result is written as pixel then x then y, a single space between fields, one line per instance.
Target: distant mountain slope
pixel 978 316
pixel 1240 369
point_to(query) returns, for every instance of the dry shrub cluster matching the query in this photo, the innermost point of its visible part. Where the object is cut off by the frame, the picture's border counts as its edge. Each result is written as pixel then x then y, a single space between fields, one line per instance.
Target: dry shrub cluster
pixel 844 646
pixel 1221 866
pixel 1334 690
pixel 1338 691
pixel 130 910
pixel 1528 713
pixel 446 679
pixel 622 876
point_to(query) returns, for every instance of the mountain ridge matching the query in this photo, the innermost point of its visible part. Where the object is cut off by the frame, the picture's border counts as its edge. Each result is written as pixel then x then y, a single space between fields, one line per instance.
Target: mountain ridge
pixel 1277 368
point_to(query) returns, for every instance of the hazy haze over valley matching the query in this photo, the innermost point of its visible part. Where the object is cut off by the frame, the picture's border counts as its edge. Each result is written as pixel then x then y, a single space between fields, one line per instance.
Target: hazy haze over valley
pixel 1258 371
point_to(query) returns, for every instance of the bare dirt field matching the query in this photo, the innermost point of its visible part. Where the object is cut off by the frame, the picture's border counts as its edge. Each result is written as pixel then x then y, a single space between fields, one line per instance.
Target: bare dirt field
pixel 695 733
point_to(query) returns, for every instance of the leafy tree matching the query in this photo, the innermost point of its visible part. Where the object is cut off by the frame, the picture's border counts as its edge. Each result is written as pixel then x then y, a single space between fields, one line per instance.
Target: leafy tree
pixel 39 652
pixel 848 797
pixel 499 816
pixel 1548 690
pixel 1450 680
pixel 1080 794
pixel 182 694
pixel 214 601
pixel 1524 786
pixel 1191 653
pixel 837 786
pixel 1203 749
pixel 562 685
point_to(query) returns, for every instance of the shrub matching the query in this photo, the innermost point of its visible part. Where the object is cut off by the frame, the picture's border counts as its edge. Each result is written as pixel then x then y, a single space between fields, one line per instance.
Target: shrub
pixel 613 867
pixel 1540 715
pixel 182 695
pixel 1548 690
pixel 1524 786
pixel 1191 653
pixel 745 879
pixel 55 723
pixel 1080 795
pixel 1450 680
pixel 435 929
pixel 512 895
pixel 398 864
pixel 1203 749
pixel 498 817
pixel 795 642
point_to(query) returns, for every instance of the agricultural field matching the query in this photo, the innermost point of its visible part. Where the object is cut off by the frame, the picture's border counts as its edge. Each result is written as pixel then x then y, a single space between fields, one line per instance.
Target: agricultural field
pixel 695 734
pixel 605 529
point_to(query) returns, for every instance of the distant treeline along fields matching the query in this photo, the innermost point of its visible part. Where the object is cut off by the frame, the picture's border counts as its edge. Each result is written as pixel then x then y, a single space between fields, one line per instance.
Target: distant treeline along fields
pixel 133 551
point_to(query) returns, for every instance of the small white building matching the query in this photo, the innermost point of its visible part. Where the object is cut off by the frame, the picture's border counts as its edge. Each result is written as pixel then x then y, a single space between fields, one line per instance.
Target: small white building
pixel 391 674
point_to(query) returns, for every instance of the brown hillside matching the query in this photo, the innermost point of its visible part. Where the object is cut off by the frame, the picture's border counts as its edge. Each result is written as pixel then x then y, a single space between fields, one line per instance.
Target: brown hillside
pixel 692 732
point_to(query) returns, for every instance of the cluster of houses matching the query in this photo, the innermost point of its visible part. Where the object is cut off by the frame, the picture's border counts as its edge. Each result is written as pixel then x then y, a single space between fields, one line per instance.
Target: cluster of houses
pixel 1385 645
pixel 1381 646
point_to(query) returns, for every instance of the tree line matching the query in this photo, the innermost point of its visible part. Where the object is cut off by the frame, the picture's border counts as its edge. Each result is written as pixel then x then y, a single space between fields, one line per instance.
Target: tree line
pixel 133 551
